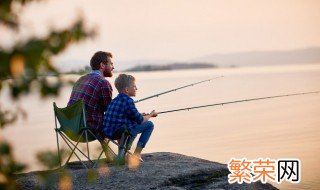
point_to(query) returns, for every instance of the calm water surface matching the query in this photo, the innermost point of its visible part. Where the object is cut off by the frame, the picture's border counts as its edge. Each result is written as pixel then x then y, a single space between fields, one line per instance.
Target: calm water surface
pixel 276 128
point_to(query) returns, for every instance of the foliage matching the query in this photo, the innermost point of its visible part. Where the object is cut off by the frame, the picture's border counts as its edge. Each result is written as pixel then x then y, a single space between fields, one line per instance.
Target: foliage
pixel 48 179
pixel 28 64
pixel 51 159
pixel 82 71
pixel 8 166
pixel 30 61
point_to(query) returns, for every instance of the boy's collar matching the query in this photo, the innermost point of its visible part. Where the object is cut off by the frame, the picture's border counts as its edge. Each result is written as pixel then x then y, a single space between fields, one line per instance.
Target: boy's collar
pixel 124 94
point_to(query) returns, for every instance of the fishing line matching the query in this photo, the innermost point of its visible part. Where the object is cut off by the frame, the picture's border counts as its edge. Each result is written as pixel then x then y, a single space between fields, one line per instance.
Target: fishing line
pixel 175 89
pixel 238 101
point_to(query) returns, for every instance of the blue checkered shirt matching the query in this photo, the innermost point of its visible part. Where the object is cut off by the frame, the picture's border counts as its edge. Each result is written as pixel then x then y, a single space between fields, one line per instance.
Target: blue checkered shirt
pixel 121 112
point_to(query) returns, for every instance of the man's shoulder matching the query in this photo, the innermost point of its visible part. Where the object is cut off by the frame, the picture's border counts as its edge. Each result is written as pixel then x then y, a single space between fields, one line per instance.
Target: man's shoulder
pixel 94 78
pixel 87 77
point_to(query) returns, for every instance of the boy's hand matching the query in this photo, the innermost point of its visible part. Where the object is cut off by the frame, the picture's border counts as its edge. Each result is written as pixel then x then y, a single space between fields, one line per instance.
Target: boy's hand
pixel 153 113
pixel 146 117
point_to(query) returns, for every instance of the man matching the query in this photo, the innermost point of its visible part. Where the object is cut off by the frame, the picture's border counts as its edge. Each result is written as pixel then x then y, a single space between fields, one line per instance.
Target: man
pixel 95 90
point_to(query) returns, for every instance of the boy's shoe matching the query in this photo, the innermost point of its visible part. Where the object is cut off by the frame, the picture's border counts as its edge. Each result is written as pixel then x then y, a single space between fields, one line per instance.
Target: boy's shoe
pixel 134 161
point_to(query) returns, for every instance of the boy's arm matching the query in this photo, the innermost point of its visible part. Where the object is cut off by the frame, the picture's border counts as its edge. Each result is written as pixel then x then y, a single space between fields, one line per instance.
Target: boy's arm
pixel 132 112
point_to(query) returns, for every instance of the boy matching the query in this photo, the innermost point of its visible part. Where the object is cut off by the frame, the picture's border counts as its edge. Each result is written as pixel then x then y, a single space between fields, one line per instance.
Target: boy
pixel 122 112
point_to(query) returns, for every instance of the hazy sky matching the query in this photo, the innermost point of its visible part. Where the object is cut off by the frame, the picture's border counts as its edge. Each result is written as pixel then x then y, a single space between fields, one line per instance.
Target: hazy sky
pixel 180 29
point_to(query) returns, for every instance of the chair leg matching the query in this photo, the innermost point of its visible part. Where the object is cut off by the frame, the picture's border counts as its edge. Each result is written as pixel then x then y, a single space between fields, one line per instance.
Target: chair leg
pixel 73 152
pixel 58 148
pixel 122 149
pixel 67 140
pixel 105 149
pixel 130 153
pixel 108 152
pixel 86 133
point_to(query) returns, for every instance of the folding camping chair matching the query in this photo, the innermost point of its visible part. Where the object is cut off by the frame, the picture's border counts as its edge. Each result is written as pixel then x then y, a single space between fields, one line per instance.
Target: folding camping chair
pixel 73 127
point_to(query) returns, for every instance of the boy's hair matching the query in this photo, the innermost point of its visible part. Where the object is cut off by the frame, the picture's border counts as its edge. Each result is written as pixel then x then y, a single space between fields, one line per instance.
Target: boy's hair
pixel 123 81
pixel 97 58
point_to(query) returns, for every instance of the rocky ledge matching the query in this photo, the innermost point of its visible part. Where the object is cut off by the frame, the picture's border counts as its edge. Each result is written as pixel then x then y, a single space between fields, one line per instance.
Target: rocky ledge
pixel 160 170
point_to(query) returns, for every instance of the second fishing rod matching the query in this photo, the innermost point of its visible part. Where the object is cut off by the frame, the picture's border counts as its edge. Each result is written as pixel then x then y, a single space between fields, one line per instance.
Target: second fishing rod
pixel 238 101
pixel 175 89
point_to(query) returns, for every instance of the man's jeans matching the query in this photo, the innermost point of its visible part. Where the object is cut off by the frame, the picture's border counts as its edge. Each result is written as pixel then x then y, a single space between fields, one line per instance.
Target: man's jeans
pixel 145 129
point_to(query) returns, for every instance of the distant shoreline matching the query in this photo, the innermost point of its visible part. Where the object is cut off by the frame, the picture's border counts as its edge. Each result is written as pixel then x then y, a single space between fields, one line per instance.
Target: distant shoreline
pixel 172 66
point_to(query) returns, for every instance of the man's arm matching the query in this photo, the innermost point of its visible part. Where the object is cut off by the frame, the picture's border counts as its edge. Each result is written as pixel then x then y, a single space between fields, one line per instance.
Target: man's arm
pixel 106 93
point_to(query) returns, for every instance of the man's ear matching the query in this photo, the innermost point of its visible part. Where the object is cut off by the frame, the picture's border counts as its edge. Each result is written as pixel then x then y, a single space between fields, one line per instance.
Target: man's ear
pixel 126 89
pixel 101 65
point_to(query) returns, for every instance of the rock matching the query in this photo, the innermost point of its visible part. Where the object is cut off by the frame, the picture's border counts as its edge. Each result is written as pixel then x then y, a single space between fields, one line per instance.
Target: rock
pixel 159 171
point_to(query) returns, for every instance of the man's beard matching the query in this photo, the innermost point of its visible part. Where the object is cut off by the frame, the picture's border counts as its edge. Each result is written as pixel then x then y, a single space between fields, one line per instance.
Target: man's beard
pixel 107 73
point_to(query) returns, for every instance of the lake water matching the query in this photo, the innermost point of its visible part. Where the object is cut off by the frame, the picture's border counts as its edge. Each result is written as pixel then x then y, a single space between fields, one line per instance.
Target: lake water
pixel 286 127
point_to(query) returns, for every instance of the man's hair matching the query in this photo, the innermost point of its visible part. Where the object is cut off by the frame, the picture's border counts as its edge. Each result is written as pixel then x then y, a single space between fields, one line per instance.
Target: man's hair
pixel 97 58
pixel 123 81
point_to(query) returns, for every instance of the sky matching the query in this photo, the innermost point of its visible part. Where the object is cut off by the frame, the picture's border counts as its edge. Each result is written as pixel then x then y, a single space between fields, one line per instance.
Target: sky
pixel 176 30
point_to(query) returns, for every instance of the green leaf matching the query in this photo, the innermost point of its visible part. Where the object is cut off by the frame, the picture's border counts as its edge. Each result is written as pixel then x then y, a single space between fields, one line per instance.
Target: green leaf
pixel 4 149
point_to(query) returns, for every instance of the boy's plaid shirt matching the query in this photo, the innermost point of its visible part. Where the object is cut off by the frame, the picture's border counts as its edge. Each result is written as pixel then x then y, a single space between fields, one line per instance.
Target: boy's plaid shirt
pixel 121 112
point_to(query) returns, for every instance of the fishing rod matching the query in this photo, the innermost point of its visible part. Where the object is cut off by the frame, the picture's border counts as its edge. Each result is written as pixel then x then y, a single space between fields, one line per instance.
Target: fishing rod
pixel 238 101
pixel 157 95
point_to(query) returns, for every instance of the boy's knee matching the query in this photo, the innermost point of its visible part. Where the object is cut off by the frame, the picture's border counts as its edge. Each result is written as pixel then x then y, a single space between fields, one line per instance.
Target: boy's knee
pixel 150 125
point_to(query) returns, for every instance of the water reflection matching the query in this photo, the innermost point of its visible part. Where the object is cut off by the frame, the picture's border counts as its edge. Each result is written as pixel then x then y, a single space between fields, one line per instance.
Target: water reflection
pixel 275 128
